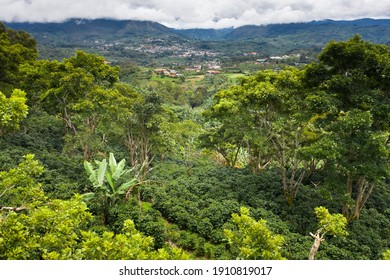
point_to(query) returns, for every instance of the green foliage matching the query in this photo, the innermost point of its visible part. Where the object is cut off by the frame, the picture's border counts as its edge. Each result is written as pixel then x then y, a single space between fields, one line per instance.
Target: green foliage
pixel 149 221
pixel 16 47
pixel 252 239
pixel 386 255
pixel 351 77
pixel 79 89
pixel 260 123
pixel 110 182
pixel 59 230
pixel 12 110
pixel 51 231
pixel 42 135
pixel 103 74
pixel 334 224
pixel 181 140
pixel 111 185
pixel 371 234
pixel 18 188
pixel 129 245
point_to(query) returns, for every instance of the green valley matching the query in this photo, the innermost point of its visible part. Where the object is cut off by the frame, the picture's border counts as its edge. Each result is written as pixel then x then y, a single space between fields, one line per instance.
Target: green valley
pixel 126 140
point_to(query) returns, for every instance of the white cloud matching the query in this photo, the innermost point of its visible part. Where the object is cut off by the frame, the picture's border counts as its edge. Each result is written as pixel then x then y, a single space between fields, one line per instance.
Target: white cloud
pixel 194 13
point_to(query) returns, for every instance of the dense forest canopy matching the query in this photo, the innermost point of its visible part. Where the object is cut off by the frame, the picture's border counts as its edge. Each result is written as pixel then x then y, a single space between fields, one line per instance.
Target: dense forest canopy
pixel 107 162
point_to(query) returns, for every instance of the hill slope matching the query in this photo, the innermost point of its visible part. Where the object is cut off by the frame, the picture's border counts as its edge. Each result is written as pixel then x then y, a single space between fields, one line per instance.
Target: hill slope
pixel 146 41
pixel 80 29
pixel 377 30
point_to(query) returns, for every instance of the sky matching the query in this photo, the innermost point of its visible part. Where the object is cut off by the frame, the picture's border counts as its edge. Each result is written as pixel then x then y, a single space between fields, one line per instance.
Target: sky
pixel 194 13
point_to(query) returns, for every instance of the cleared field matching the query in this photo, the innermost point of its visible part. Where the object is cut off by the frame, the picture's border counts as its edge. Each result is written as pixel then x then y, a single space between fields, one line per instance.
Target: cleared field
pixel 235 76
pixel 194 79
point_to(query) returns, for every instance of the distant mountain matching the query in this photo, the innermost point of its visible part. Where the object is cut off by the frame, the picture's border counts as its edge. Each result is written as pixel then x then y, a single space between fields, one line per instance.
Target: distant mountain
pixel 205 34
pixel 146 41
pixel 81 29
pixel 377 30
pixel 374 30
pixel 364 22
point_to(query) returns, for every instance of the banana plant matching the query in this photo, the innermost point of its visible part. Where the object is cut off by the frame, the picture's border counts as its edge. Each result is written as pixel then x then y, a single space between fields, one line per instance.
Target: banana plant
pixel 115 174
pixel 109 180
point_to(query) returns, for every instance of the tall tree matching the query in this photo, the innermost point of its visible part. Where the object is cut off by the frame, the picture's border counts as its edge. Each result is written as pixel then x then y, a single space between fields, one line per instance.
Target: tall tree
pixel 16 48
pixel 262 118
pixel 350 104
pixel 334 224
pixel 181 139
pixel 142 127
pixel 79 90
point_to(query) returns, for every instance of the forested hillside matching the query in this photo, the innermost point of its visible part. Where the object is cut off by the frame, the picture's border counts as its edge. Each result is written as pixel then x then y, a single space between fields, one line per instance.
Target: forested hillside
pixel 148 43
pixel 100 161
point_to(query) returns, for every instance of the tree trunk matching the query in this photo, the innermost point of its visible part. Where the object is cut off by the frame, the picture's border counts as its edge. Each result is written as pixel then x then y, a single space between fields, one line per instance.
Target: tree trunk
pixel 132 148
pixel 91 125
pixel 15 209
pixel 363 192
pixel 317 242
pixel 87 153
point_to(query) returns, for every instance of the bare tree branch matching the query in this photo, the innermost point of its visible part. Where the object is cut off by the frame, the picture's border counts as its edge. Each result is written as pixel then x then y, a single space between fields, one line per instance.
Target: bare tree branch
pixel 15 209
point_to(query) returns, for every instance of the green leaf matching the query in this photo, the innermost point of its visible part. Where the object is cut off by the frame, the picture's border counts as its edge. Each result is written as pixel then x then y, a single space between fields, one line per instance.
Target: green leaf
pixel 125 186
pixel 112 163
pixel 119 170
pixel 88 167
pixel 110 181
pixel 102 172
pixel 88 196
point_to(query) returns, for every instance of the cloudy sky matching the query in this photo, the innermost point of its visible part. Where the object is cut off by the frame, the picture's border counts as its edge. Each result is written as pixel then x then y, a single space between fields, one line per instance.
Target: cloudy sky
pixel 194 13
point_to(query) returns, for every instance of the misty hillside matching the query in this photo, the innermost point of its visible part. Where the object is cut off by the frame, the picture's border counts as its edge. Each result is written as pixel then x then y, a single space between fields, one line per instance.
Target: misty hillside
pixel 371 29
pixel 79 29
pixel 374 30
pixel 147 42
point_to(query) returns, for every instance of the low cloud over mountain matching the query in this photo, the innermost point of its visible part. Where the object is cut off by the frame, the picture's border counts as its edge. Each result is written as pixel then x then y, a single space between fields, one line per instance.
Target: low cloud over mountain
pixel 194 14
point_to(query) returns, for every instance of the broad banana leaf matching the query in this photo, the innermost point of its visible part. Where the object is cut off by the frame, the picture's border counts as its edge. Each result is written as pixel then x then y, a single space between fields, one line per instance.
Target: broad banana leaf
pixel 112 163
pixel 120 170
pixel 125 186
pixel 102 172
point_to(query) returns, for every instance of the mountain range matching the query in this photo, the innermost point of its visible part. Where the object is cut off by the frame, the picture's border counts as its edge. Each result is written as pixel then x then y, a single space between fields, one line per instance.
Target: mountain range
pixel 273 39
pixel 374 29
pixel 98 27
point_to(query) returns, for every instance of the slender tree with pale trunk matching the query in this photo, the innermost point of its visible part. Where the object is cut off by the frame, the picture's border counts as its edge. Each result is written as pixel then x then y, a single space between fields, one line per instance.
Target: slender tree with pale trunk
pixel 328 223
